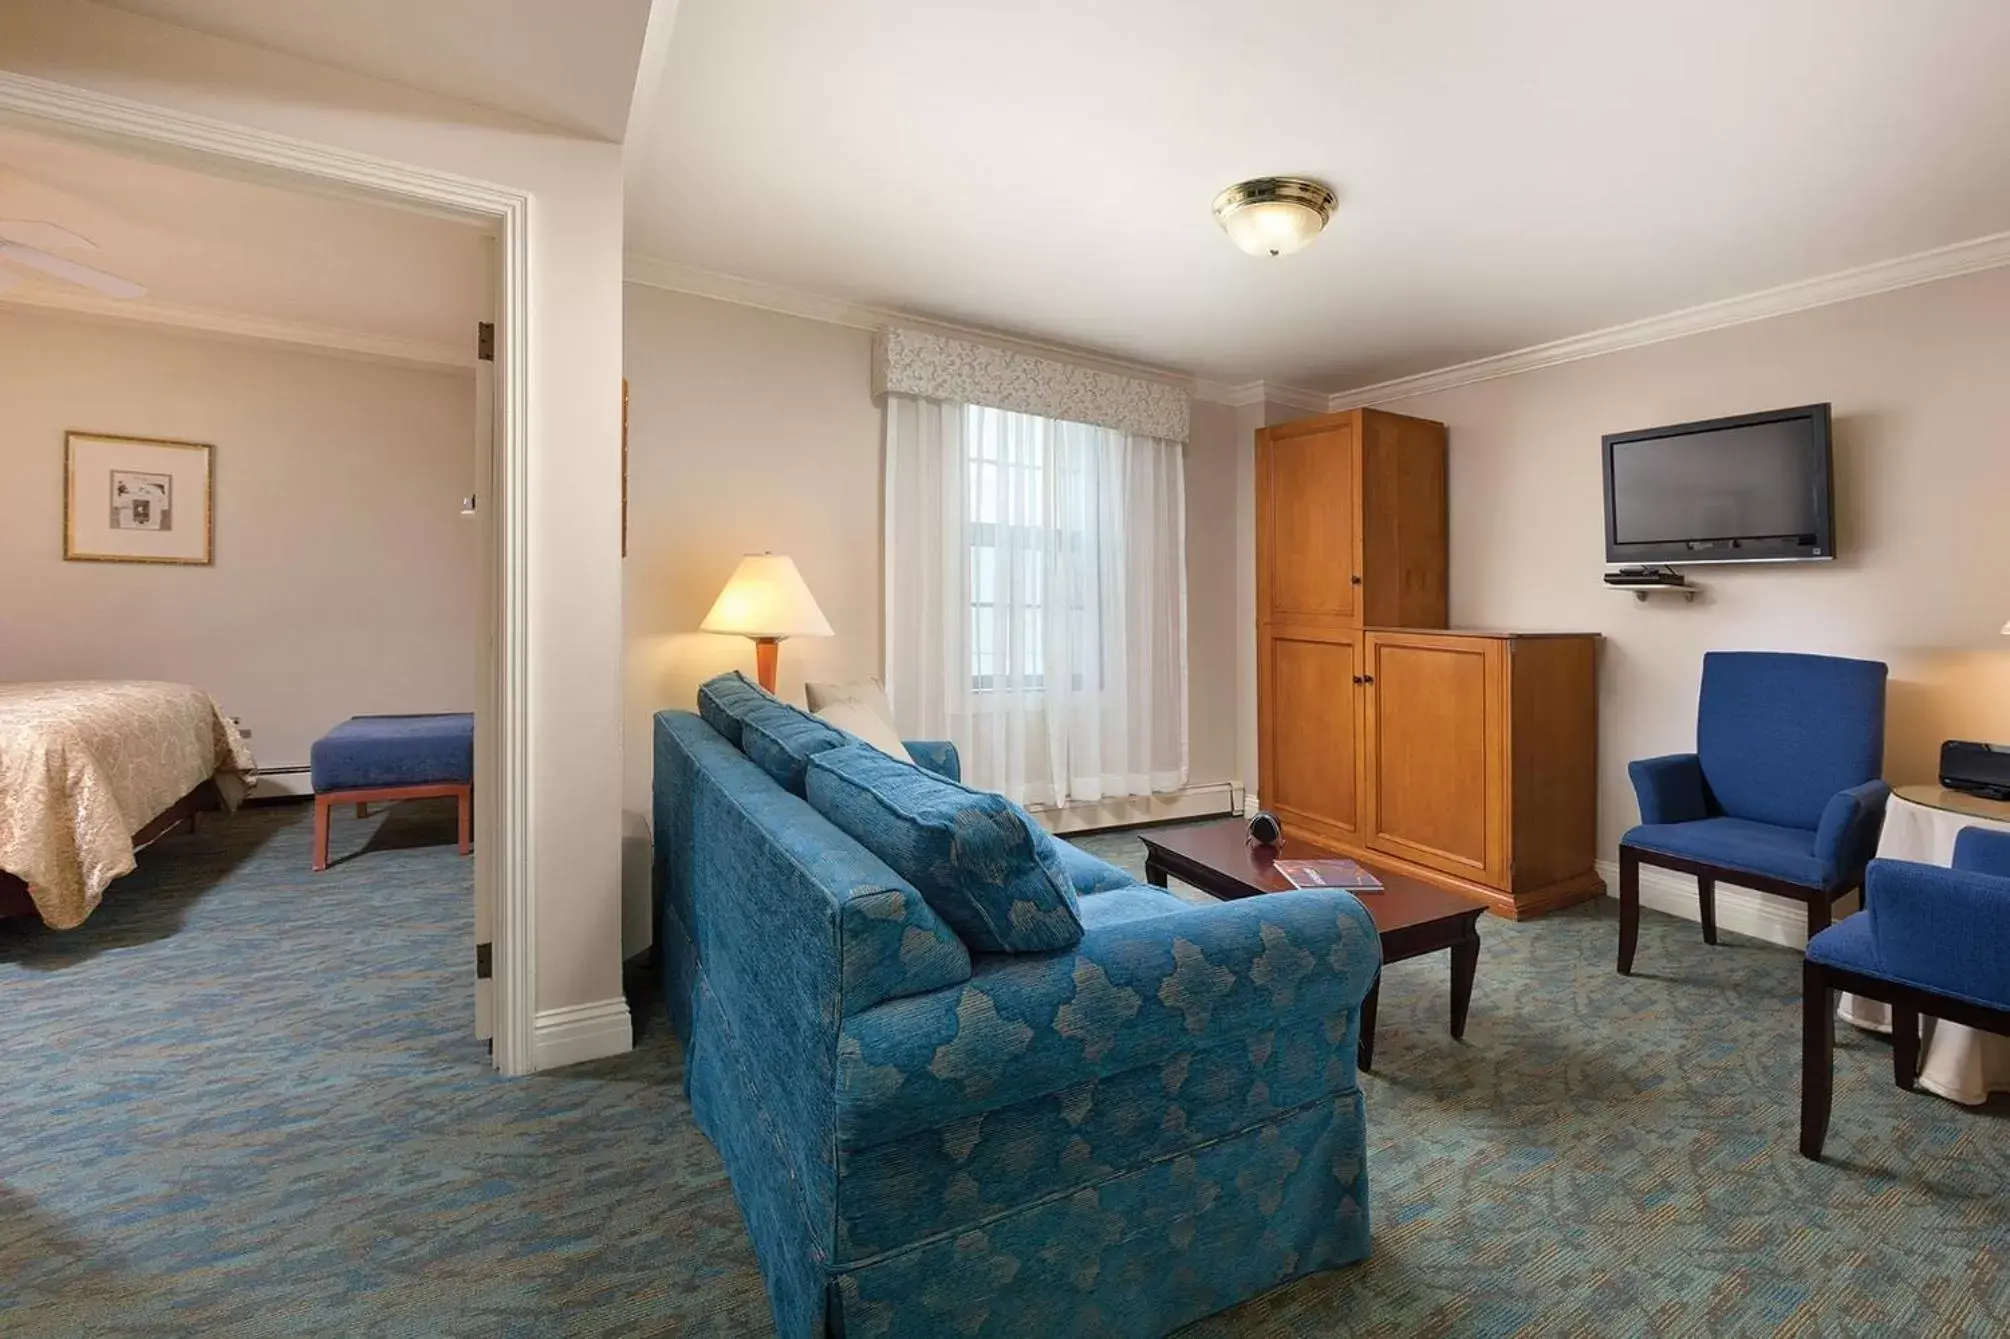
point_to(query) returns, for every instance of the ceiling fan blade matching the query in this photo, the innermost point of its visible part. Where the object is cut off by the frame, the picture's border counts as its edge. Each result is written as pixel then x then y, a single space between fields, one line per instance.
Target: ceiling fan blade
pixel 47 236
pixel 57 267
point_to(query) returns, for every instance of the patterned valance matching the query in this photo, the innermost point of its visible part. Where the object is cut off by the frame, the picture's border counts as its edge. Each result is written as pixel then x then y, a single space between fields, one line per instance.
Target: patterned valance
pixel 935 367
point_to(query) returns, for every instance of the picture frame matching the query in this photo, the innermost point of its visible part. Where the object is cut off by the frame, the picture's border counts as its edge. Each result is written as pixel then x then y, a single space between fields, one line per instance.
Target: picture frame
pixel 138 500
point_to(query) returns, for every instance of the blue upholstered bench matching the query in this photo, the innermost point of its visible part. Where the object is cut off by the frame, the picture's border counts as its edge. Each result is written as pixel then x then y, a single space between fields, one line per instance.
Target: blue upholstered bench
pixel 370 758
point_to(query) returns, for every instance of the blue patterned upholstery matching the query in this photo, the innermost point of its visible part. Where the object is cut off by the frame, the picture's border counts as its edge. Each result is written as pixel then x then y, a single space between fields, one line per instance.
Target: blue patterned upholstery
pixel 368 752
pixel 726 699
pixel 1784 781
pixel 781 740
pixel 982 863
pixel 1933 928
pixel 1115 1139
pixel 1086 874
pixel 935 755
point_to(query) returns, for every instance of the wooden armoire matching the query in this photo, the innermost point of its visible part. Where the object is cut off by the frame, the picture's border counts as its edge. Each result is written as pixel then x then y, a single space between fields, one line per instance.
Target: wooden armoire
pixel 1465 758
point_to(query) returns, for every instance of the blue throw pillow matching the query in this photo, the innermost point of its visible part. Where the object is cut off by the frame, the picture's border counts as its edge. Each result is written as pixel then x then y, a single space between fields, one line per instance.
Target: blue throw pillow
pixel 728 699
pixel 781 740
pixel 980 861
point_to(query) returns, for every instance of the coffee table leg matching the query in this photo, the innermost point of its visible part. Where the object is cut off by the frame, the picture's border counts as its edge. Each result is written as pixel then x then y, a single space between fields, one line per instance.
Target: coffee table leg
pixel 1365 1050
pixel 1155 873
pixel 1465 960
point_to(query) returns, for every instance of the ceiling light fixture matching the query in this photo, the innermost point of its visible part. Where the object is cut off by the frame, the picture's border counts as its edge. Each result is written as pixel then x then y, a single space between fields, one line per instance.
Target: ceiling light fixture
pixel 1274 216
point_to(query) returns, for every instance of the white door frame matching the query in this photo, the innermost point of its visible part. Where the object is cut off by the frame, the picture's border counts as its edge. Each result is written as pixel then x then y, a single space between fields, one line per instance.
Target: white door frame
pixel 159 131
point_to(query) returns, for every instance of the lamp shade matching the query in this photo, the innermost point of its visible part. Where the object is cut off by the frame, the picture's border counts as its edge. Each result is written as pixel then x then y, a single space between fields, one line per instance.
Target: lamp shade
pixel 766 597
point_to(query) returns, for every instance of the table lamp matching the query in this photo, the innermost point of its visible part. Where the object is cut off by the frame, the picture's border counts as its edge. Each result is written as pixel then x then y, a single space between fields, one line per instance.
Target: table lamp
pixel 766 600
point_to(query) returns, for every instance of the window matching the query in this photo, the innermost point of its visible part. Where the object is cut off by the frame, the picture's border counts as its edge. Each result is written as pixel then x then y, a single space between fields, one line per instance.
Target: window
pixel 1027 527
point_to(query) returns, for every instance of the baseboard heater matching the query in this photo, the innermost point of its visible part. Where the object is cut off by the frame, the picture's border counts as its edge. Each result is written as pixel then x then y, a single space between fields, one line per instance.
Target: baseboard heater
pixel 1212 800
pixel 277 784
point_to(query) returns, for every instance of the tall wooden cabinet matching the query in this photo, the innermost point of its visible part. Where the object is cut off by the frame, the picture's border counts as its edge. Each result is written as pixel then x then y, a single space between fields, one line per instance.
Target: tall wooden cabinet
pixel 1465 758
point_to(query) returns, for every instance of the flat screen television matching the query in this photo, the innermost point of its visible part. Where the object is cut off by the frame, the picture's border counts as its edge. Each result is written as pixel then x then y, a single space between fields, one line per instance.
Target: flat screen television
pixel 1754 488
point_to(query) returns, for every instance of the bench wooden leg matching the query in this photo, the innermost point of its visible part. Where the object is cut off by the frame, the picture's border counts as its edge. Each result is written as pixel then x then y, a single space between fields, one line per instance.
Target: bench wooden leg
pixel 321 807
pixel 464 799
pixel 1706 905
pixel 362 811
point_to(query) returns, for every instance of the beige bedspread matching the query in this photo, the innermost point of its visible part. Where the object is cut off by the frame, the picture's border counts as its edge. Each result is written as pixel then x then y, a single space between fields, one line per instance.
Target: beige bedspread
pixel 84 766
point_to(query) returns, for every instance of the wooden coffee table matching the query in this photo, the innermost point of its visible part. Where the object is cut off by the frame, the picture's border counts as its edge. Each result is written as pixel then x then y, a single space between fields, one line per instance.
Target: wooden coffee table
pixel 1414 917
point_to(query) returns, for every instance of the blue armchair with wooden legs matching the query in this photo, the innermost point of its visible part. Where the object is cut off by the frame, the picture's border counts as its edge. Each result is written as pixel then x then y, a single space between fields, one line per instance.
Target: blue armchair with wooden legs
pixel 1781 795
pixel 1931 941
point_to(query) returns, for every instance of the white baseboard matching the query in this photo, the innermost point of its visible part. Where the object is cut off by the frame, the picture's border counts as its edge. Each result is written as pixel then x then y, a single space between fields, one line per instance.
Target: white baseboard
pixel 1214 800
pixel 1777 920
pixel 580 1032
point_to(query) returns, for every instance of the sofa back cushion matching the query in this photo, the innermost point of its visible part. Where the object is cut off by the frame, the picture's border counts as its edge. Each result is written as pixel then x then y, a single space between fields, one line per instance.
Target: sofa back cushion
pixel 781 740
pixel 1778 734
pixel 727 699
pixel 979 860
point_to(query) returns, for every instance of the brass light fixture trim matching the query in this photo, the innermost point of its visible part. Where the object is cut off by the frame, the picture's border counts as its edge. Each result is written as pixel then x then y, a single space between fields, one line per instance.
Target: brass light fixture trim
pixel 1311 201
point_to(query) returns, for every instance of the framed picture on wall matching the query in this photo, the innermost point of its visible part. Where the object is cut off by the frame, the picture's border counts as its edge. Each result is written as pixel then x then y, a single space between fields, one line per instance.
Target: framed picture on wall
pixel 137 500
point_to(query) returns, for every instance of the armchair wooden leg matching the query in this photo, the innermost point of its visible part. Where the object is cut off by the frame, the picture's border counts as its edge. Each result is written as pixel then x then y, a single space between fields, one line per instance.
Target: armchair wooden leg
pixel 1706 901
pixel 1820 912
pixel 1904 1046
pixel 1818 1055
pixel 1629 907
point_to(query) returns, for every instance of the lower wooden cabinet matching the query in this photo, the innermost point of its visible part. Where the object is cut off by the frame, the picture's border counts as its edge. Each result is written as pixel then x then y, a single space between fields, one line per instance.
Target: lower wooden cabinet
pixel 1469 759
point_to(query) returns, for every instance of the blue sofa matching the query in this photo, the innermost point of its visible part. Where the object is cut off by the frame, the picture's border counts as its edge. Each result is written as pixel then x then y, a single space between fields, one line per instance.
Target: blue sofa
pixel 1112 1138
pixel 1782 793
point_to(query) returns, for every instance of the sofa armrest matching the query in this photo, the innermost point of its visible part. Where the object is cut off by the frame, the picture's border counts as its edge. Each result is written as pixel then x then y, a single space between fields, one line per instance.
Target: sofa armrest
pixel 1941 928
pixel 1669 788
pixel 935 755
pixel 1130 994
pixel 1847 837
pixel 1983 851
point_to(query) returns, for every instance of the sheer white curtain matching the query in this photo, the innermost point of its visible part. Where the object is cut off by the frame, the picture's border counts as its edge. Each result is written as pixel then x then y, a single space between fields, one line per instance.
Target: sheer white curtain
pixel 1036 599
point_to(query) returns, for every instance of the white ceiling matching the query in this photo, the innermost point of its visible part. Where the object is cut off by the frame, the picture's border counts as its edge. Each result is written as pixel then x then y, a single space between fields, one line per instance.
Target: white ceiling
pixel 568 63
pixel 1508 173
pixel 223 254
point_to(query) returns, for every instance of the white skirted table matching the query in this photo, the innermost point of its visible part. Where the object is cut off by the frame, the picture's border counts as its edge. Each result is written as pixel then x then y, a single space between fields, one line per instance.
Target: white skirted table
pixel 1956 1062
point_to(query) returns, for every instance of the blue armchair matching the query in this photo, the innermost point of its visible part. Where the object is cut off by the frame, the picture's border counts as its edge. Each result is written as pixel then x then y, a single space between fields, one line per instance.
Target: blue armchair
pixel 1930 940
pixel 1782 793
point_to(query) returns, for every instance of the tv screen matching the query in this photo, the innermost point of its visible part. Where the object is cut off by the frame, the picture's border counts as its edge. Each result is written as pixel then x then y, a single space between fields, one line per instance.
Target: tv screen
pixel 1748 489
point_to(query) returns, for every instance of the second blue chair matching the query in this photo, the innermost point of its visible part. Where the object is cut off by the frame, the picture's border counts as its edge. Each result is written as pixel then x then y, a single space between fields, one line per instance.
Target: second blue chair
pixel 1782 793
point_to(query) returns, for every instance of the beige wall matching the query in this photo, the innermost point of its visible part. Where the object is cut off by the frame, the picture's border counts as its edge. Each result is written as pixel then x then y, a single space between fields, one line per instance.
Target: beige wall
pixel 750 430
pixel 574 424
pixel 1213 674
pixel 1922 449
pixel 746 431
pixel 345 577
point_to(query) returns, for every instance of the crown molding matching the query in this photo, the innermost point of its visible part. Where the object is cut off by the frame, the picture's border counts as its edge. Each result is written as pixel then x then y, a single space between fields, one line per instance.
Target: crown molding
pixel 355 345
pixel 651 272
pixel 1923 267
pixel 1242 395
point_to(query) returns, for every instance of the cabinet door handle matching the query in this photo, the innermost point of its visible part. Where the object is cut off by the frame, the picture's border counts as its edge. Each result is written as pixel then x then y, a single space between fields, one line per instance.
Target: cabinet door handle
pixel 1359 679
pixel 1367 678
pixel 1356 578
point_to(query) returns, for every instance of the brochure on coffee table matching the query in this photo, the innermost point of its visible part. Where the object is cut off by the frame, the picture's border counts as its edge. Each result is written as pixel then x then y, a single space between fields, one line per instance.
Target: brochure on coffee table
pixel 1343 874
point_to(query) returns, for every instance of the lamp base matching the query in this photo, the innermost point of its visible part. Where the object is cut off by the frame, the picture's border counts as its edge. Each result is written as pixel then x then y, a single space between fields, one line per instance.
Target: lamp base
pixel 767 655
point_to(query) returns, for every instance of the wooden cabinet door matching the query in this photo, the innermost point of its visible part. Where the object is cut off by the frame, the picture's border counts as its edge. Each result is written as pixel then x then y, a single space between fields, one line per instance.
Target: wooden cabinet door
pixel 1308 522
pixel 1309 729
pixel 1435 751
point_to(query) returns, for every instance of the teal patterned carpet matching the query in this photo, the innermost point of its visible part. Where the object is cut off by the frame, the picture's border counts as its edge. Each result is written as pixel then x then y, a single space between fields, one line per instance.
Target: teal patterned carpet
pixel 242 1100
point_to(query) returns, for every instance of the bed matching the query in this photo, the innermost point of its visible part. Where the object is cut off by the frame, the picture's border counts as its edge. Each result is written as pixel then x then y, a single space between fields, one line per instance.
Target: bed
pixel 91 772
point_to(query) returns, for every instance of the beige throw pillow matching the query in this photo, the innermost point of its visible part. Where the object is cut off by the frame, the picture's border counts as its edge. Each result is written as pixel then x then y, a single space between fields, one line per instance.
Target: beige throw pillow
pixel 861 708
